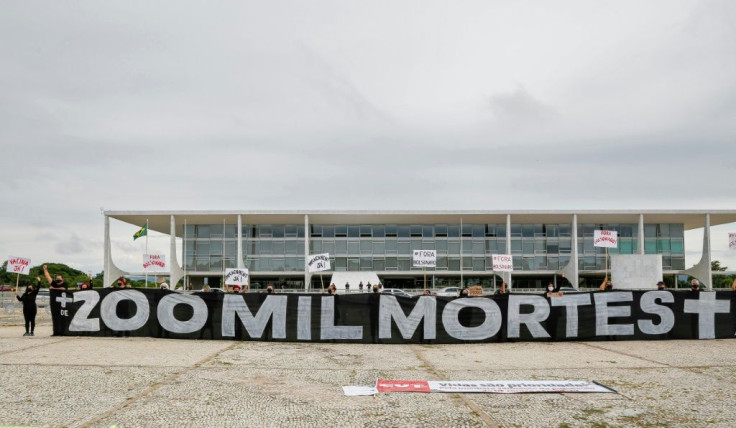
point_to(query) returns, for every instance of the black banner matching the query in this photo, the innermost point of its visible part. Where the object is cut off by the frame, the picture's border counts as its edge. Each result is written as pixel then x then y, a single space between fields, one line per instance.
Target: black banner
pixel 381 318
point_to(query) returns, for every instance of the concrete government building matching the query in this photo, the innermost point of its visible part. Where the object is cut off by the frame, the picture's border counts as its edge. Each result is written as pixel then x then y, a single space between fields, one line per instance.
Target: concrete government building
pixel 366 244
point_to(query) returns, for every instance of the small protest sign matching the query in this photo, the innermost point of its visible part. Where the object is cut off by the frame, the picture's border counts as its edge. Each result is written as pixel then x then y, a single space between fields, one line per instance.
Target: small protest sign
pixel 605 238
pixel 318 262
pixel 19 265
pixel 503 262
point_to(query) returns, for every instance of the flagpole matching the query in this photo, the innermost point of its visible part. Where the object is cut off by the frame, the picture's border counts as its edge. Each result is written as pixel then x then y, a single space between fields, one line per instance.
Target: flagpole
pixel 184 256
pixel 146 252
pixel 461 252
pixel 17 280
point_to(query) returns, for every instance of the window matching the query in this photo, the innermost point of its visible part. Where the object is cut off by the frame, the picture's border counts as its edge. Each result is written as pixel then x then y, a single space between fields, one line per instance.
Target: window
pixel 391 230
pixel 366 263
pixel 441 245
pixel 453 263
pixel 453 231
pixel 416 231
pixel 379 247
pixel 277 231
pixel 391 246
pixel 365 246
pixel 353 248
pixel 527 230
pixel 366 231
pixel 440 230
pixel 202 231
pixel 328 231
pixel 404 231
pixel 404 263
pixel 404 247
pixel 231 230
pixel 353 231
pixel 278 247
pixel 341 246
pixel 467 230
pixel 428 244
pixel 316 231
pixel 379 264
pixel 453 247
pixel 379 231
pixel 353 264
pixel 290 231
pixel 479 263
pixel 341 231
pixel 392 263
pixel 428 231
pixel 341 263
pixel 490 230
pixel 479 230
pixel 328 246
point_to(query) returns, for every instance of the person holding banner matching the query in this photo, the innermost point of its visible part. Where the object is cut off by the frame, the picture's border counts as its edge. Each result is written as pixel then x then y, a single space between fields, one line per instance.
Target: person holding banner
pixel 502 289
pixel 56 284
pixel 606 285
pixel 29 305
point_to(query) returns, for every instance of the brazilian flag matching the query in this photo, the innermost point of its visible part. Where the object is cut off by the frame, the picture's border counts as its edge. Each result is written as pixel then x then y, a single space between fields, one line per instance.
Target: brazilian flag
pixel 143 231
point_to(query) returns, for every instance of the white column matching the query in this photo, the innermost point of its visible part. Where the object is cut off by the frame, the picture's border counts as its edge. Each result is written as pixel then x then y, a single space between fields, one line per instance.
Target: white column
pixel 508 247
pixel 106 263
pixel 574 256
pixel 306 251
pixel 706 250
pixel 641 234
pixel 175 271
pixel 239 236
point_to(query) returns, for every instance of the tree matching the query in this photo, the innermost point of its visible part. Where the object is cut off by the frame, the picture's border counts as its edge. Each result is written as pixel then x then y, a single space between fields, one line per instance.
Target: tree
pixel 715 266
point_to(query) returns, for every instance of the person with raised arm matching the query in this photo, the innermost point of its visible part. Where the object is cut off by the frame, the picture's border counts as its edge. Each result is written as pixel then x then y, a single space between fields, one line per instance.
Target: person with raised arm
pixel 57 283
pixel 29 305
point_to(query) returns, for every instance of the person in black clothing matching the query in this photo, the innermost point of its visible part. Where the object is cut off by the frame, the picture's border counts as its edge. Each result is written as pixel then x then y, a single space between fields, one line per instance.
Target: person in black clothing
pixel 29 305
pixel 57 283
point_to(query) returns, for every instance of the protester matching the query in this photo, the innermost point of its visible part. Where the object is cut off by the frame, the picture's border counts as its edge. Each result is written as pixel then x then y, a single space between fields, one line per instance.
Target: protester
pixel 244 289
pixel 164 285
pixel 347 287
pixel 235 289
pixel 502 289
pixel 270 289
pixel 661 285
pixel 122 283
pixel 694 285
pixel 606 285
pixel 360 286
pixel 427 292
pixel 29 305
pixel 550 287
pixel 375 288
pixel 733 285
pixel 332 289
pixel 206 288
pixel 57 283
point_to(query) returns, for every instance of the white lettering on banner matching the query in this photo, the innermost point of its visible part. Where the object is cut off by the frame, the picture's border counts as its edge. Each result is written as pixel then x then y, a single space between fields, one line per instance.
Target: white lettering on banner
pixel 63 299
pixel 154 262
pixel 273 307
pixel 531 320
pixel 18 265
pixel 237 277
pixel 167 320
pixel 707 306
pixel 571 303
pixel 425 308
pixel 605 238
pixel 109 310
pixel 503 262
pixel 328 329
pixel 425 258
pixel 304 319
pixel 732 241
pixel 648 304
pixel 319 262
pixel 603 312
pixel 490 326
pixel 81 320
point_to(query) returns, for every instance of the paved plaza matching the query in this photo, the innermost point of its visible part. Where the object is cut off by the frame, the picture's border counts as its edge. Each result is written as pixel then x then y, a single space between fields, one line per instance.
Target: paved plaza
pixel 141 382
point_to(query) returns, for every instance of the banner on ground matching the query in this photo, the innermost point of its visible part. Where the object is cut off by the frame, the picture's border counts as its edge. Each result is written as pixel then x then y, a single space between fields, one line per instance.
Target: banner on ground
pixel 18 265
pixel 732 241
pixel 383 318
pixel 237 277
pixel 491 387
pixel 425 258
pixel 318 262
pixel 154 262
pixel 503 262
pixel 605 238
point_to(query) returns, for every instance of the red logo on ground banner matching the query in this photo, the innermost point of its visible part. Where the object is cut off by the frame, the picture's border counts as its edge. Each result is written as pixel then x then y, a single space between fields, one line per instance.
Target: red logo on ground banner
pixel 385 385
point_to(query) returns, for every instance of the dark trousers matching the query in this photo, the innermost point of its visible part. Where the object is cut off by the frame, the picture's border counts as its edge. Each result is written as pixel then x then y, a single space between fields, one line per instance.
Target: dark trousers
pixel 30 316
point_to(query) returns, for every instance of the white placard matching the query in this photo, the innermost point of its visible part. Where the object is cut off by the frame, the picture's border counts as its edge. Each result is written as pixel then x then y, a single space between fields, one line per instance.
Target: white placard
pixel 154 262
pixel 319 262
pixel 425 258
pixel 732 241
pixel 605 238
pixel 19 265
pixel 503 262
pixel 237 277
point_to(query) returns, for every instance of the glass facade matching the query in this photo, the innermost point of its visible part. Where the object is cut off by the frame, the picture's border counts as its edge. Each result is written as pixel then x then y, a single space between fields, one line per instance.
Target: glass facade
pixel 388 247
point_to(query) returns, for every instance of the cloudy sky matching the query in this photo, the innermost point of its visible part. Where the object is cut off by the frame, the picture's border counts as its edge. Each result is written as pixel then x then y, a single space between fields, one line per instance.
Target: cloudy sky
pixel 357 105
